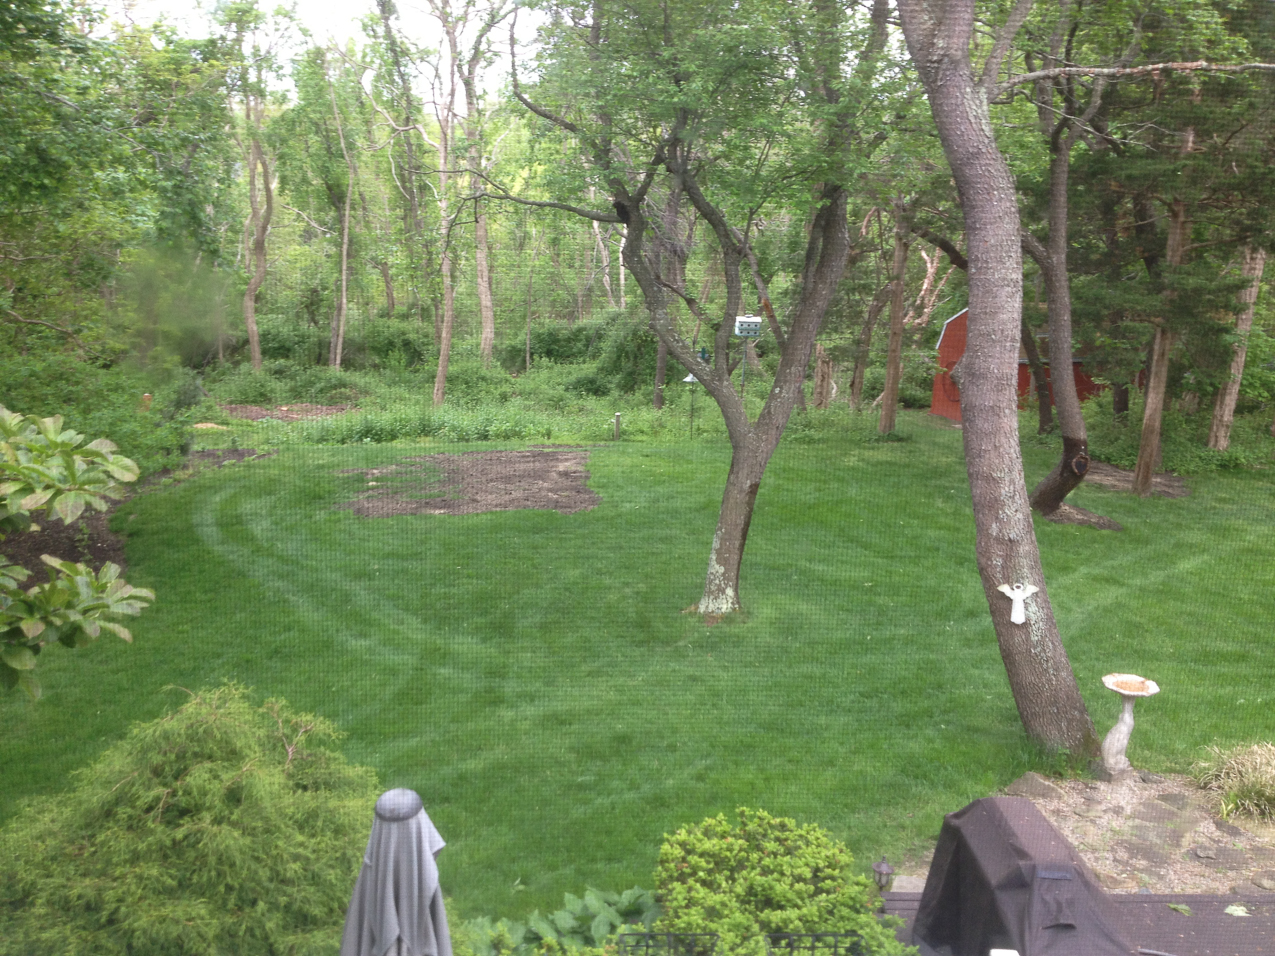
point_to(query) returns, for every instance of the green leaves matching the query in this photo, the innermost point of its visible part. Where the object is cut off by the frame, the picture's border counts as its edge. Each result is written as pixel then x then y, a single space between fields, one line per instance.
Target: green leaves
pixel 764 875
pixel 43 467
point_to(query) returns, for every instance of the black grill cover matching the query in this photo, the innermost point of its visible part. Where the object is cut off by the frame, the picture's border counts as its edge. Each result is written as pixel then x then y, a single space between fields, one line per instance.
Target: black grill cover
pixel 1003 877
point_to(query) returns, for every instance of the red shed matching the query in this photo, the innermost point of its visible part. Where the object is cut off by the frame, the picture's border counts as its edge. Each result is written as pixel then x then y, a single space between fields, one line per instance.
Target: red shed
pixel 945 400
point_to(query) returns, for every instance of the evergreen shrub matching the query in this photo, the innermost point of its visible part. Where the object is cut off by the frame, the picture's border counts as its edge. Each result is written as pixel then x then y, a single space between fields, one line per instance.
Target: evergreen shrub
pixel 222 827
pixel 762 875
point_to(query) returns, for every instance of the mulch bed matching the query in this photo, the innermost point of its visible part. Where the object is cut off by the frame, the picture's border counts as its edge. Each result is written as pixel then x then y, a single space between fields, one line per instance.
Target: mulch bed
pixel 1119 479
pixel 473 482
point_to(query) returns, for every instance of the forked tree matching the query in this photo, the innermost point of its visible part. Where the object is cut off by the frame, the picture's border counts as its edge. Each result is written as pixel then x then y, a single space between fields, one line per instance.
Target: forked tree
pixel 737 107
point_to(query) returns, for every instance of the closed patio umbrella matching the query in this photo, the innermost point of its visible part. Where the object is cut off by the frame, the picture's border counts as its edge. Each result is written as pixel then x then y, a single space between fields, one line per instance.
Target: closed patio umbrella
pixel 397 906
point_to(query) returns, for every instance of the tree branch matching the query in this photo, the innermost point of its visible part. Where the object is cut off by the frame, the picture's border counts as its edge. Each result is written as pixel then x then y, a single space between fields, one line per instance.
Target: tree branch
pixel 954 254
pixel 1004 40
pixel 1117 71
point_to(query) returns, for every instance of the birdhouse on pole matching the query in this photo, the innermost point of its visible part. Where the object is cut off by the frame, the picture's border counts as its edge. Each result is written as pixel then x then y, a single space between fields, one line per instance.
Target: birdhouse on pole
pixel 748 327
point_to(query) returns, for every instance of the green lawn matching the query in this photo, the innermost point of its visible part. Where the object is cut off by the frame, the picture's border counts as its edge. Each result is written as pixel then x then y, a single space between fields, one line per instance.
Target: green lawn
pixel 532 676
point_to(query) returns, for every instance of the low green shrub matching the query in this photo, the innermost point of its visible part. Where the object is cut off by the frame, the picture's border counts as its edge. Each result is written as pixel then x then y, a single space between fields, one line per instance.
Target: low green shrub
pixel 554 342
pixel 222 827
pixel 1243 776
pixel 281 381
pixel 585 924
pixel 765 875
pixel 104 403
pixel 1184 437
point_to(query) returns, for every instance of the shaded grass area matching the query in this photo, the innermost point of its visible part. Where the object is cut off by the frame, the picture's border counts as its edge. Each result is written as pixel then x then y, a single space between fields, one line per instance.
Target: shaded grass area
pixel 532 676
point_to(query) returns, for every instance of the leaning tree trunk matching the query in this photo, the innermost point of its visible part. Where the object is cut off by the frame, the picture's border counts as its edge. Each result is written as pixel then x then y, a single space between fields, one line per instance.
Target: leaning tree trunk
pixel 1224 404
pixel 1040 674
pixel 1070 471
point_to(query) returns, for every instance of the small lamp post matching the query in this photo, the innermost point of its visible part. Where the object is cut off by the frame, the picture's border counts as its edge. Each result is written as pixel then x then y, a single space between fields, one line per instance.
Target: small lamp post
pixel 883 874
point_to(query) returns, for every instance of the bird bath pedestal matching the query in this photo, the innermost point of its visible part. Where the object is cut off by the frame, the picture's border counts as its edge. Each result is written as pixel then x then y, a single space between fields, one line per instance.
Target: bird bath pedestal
pixel 1130 687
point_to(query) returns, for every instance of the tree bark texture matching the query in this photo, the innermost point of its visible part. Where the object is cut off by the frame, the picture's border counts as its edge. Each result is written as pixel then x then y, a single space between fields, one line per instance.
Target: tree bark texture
pixel 258 228
pixel 1254 261
pixel 898 304
pixel 1158 367
pixel 938 37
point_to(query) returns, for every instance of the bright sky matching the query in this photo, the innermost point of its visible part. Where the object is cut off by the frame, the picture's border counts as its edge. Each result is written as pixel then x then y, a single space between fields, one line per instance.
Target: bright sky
pixel 326 19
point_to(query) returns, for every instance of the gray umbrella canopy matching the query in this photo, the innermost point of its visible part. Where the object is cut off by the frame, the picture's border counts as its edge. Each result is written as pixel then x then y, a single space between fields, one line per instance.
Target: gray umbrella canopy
pixel 397 907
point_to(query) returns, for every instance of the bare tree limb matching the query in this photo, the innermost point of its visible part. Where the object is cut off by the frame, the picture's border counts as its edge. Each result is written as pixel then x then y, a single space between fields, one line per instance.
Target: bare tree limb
pixel 1152 69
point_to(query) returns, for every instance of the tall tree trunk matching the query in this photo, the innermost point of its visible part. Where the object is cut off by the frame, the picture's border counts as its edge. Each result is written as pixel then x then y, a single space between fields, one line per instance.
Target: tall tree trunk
pixel 938 37
pixel 823 378
pixel 337 341
pixel 445 267
pixel 259 228
pixel 1224 403
pixel 898 304
pixel 1045 418
pixel 864 346
pixel 661 373
pixel 482 267
pixel 1153 411
pixel 1158 372
pixel 388 279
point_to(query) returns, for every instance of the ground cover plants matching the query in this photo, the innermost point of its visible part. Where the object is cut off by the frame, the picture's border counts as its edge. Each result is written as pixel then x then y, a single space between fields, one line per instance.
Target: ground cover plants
pixel 531 674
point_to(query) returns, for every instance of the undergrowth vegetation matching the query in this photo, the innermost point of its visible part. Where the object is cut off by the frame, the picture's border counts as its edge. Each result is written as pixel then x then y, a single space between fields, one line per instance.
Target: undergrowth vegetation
pixel 1243 777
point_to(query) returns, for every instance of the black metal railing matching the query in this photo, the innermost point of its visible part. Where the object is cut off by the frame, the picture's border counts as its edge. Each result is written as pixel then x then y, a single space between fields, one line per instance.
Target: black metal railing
pixel 668 944
pixel 815 944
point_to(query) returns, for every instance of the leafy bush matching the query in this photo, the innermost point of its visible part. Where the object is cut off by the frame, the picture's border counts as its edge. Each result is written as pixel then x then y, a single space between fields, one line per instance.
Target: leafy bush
pixel 765 875
pixel 583 924
pixel 556 342
pixel 1184 438
pixel 1244 776
pixel 99 402
pixel 281 381
pixel 916 386
pixel 222 827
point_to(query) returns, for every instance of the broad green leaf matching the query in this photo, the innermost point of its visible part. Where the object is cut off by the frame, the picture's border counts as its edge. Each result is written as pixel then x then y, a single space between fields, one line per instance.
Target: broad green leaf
pixel 18 656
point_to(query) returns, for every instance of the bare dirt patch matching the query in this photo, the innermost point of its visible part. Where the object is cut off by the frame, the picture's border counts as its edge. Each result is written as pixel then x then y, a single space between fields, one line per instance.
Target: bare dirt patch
pixel 90 539
pixel 283 413
pixel 1119 479
pixel 472 482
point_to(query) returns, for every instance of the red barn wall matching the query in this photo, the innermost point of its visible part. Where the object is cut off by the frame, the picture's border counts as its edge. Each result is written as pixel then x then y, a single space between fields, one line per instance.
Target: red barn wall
pixel 945 399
